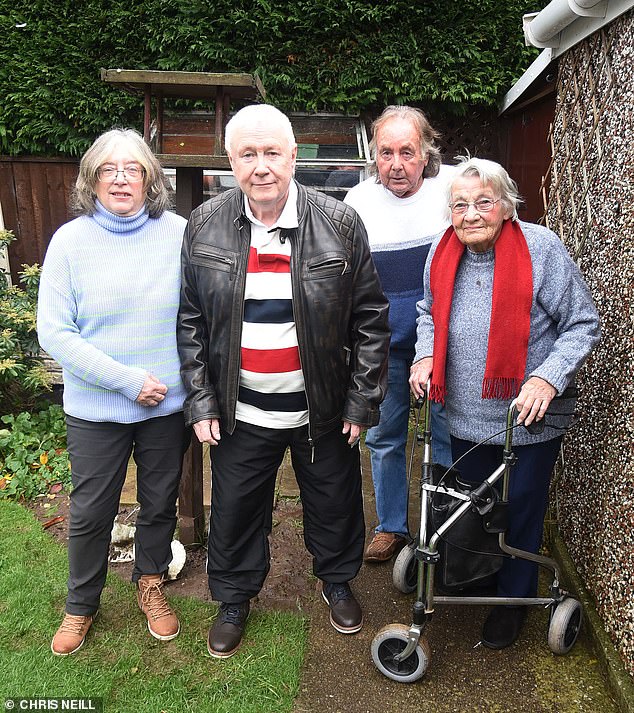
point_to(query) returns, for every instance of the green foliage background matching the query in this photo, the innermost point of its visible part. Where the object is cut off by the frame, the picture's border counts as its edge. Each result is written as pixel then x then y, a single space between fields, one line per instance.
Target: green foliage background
pixel 331 55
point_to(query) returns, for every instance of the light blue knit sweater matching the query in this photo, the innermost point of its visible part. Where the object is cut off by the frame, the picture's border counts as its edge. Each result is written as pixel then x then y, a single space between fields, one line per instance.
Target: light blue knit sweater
pixel 107 308
pixel 564 328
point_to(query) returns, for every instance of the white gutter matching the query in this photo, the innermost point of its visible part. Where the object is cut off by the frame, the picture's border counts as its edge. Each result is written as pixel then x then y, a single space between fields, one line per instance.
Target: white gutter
pixel 558 27
pixel 543 29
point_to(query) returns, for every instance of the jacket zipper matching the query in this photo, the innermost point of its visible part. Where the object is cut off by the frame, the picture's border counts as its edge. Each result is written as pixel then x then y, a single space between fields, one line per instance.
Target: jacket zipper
pixel 328 264
pixel 219 258
pixel 239 227
pixel 296 310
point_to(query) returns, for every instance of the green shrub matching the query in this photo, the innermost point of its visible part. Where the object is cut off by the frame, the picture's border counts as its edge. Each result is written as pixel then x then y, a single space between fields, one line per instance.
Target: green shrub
pixel 23 377
pixel 33 455
pixel 336 55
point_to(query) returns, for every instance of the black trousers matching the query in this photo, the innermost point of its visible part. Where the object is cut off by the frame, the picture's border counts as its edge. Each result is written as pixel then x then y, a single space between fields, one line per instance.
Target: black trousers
pixel 99 455
pixel 528 499
pixel 244 469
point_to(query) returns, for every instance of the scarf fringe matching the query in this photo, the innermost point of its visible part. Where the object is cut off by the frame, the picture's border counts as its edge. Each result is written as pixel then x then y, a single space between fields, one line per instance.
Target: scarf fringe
pixel 437 393
pixel 498 387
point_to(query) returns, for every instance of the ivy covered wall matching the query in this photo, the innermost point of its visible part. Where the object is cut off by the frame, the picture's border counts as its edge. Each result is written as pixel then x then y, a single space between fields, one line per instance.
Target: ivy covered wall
pixel 312 55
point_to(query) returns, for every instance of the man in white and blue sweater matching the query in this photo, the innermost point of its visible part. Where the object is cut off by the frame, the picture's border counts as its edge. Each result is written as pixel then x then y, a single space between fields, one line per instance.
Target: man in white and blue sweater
pixel 401 208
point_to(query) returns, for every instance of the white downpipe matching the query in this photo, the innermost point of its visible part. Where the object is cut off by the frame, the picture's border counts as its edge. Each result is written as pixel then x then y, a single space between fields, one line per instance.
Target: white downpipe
pixel 543 29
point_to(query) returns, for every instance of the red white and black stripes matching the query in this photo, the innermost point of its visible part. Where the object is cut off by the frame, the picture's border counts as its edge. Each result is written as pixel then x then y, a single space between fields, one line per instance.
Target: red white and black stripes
pixel 271 390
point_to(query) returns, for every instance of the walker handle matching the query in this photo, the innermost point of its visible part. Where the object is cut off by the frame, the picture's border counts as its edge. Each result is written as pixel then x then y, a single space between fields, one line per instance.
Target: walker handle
pixel 537 427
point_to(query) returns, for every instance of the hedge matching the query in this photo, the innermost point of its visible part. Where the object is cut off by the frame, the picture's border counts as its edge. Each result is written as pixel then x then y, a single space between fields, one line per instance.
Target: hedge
pixel 312 55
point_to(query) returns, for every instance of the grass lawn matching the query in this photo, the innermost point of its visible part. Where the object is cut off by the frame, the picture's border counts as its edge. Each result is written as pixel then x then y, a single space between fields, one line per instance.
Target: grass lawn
pixel 120 662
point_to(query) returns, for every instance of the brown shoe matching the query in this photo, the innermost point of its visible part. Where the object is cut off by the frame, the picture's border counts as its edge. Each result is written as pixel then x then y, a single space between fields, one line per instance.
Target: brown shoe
pixel 162 623
pixel 71 634
pixel 383 546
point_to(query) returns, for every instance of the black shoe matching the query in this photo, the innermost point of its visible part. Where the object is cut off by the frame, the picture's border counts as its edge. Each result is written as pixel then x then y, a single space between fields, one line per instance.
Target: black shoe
pixel 345 613
pixel 502 626
pixel 225 635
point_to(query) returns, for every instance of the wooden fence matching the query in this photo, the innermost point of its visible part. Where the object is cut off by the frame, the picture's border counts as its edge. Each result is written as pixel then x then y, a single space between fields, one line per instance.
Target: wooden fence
pixel 34 194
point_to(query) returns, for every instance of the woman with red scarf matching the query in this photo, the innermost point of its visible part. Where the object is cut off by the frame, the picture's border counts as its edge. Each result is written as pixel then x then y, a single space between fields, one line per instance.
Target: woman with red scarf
pixel 506 314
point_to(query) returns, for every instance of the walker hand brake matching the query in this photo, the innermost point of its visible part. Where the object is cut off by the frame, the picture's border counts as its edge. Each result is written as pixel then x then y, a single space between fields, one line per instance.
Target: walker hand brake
pixel 483 498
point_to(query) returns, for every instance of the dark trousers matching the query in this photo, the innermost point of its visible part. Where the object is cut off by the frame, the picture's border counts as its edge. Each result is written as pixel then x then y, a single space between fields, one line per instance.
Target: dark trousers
pixel 99 455
pixel 244 468
pixel 528 500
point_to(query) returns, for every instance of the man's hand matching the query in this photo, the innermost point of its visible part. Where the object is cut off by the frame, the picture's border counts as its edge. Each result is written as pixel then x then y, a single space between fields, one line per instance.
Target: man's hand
pixel 208 431
pixel 152 393
pixel 354 431
pixel 534 398
pixel 419 374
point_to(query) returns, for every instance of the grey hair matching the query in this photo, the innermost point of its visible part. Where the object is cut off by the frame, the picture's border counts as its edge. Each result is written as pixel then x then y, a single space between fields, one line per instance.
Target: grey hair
pixel 491 174
pixel 256 114
pixel 426 134
pixel 158 192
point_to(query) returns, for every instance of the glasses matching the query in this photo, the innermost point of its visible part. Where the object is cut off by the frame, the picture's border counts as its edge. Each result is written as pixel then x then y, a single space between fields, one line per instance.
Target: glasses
pixel 132 174
pixel 482 205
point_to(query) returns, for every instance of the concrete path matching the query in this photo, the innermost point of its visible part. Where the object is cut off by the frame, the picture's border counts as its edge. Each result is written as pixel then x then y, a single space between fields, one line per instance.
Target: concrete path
pixel 464 677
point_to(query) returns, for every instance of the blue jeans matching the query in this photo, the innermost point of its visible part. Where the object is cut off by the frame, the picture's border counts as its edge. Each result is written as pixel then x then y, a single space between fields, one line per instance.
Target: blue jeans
pixel 387 444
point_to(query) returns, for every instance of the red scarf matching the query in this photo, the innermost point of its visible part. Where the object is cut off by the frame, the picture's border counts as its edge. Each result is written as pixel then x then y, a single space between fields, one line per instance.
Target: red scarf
pixel 510 312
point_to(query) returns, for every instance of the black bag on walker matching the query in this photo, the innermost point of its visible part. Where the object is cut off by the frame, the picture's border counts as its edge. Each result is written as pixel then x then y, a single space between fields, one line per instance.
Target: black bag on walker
pixel 469 550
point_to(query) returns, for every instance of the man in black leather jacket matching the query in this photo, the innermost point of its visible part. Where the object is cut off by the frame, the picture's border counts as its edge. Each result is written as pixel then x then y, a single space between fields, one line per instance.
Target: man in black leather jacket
pixel 283 340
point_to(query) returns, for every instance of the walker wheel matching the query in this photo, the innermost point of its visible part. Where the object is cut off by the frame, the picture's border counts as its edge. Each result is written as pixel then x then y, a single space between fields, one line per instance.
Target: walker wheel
pixel 405 571
pixel 564 626
pixel 390 641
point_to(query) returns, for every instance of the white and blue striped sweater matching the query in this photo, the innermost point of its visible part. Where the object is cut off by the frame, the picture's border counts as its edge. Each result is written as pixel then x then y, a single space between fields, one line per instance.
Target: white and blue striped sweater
pixel 400 231
pixel 107 309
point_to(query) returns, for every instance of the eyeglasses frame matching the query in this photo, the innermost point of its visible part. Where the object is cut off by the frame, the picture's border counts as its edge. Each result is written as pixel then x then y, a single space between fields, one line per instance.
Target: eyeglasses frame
pixel 128 178
pixel 473 203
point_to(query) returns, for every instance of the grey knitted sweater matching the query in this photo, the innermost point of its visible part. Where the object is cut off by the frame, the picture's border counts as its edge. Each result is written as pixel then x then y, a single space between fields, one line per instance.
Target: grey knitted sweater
pixel 564 327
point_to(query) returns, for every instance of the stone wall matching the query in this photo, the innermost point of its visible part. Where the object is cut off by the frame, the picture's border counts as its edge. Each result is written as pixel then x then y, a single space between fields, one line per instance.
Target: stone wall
pixel 591 207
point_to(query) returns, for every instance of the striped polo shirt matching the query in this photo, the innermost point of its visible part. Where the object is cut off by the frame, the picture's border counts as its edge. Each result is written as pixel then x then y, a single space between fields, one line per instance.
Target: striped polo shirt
pixel 271 392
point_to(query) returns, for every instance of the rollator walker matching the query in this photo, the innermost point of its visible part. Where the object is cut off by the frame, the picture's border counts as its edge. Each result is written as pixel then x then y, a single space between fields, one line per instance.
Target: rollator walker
pixel 403 653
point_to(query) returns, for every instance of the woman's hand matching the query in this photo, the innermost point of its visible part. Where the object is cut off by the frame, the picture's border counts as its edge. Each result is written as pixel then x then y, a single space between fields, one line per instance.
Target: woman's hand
pixel 152 393
pixel 533 400
pixel 419 374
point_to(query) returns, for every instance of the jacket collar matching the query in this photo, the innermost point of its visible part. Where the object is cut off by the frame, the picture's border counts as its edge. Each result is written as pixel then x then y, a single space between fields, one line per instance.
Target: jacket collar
pixel 242 219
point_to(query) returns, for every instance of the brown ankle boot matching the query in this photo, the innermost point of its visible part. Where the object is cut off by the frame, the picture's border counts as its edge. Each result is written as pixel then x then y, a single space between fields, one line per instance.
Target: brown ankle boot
pixel 71 634
pixel 161 620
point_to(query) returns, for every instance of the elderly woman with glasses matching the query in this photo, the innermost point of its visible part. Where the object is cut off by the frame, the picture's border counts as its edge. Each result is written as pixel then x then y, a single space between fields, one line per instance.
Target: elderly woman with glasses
pixel 506 314
pixel 107 309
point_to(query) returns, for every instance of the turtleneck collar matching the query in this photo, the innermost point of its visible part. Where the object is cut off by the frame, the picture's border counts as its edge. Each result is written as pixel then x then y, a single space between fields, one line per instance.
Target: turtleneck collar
pixel 119 223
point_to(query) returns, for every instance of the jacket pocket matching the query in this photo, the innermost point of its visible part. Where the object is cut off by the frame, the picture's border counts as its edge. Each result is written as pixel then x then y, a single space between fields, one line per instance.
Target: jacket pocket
pixel 213 258
pixel 322 266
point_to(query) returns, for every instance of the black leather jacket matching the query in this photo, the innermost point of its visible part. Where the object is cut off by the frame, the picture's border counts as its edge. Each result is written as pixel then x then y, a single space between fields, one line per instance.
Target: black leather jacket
pixel 339 306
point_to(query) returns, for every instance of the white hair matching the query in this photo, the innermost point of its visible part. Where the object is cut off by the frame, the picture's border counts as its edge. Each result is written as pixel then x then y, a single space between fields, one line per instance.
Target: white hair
pixel 255 114
pixel 491 174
